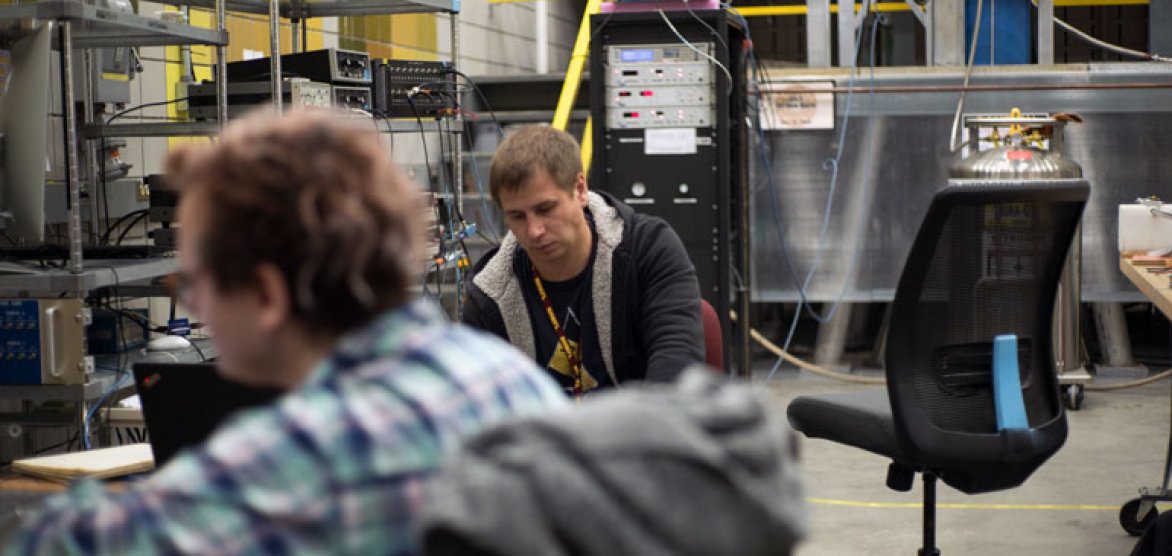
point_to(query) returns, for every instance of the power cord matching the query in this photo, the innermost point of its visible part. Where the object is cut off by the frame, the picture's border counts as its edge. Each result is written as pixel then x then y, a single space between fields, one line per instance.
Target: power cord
pixel 423 139
pixel 763 149
pixel 766 158
pixel 773 348
pixel 126 111
pixel 89 415
pixel 110 229
pixel 719 37
pixel 454 208
pixel 803 364
pixel 196 347
pixel 953 146
pixel 759 69
pixel 1129 384
pixel 835 375
pixel 130 226
pixel 119 370
pixel 709 57
pixel 832 165
pixel 483 100
pixel 1086 37
pixel 844 377
pixel 485 209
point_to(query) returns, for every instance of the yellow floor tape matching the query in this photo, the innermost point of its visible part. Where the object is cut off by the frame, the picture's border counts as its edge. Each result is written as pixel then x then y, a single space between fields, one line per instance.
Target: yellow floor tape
pixel 917 505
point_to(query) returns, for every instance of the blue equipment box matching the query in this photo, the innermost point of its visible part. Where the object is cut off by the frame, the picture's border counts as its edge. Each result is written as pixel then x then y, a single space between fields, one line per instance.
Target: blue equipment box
pixel 20 341
pixel 116 332
pixel 42 341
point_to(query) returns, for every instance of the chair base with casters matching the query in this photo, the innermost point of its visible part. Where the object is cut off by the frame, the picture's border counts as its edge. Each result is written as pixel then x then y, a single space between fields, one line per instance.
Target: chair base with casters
pixel 972 397
pixel 864 420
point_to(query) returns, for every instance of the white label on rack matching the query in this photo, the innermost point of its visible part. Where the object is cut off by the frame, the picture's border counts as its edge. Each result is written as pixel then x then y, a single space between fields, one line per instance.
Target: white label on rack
pixel 670 140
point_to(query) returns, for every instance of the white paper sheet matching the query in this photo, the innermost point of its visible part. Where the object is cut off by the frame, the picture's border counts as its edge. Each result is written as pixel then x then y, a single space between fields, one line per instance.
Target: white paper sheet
pixel 669 140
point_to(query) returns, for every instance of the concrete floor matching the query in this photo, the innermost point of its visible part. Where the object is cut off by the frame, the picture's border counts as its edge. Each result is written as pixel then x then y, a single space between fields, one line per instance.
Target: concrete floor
pixel 1117 443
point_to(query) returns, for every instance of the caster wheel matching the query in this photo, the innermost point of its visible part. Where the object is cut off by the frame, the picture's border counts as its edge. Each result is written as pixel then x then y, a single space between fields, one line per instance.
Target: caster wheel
pixel 1131 522
pixel 1072 396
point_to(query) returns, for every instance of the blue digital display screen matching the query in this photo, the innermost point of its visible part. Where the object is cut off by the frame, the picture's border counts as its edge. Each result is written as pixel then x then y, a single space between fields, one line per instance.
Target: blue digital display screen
pixel 637 55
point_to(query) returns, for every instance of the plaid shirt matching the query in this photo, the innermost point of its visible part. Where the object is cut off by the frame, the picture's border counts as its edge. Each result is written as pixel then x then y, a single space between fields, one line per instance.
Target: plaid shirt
pixel 337 466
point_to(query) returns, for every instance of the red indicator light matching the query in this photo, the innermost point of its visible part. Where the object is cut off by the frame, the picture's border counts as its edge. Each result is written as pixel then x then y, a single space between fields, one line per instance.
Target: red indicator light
pixel 630 114
pixel 624 93
pixel 646 93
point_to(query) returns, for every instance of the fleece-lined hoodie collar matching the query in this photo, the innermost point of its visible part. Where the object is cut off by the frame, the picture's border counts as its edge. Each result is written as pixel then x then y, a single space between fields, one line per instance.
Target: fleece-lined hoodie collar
pixel 500 284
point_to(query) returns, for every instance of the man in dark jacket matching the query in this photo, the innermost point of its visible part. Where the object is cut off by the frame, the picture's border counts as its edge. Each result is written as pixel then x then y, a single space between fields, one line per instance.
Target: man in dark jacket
pixel 584 285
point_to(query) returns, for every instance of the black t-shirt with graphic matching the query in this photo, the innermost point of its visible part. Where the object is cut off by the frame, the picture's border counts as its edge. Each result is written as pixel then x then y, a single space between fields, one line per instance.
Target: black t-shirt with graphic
pixel 573 305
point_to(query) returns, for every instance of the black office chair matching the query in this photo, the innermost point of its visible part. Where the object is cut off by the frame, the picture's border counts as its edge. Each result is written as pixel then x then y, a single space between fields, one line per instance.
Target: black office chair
pixel 986 263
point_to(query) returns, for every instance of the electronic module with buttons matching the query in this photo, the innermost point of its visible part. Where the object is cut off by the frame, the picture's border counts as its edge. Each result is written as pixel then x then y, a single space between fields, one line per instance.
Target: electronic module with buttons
pixel 332 66
pixel 352 98
pixel 659 85
pixel 413 88
pixel 42 341
pixel 247 96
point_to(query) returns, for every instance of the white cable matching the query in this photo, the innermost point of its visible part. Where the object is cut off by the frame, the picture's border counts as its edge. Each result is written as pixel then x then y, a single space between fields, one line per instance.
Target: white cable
pixel 953 146
pixel 1106 45
pixel 1130 384
pixel 992 32
pixel 697 50
pixel 864 9
pixel 719 38
pixel 803 364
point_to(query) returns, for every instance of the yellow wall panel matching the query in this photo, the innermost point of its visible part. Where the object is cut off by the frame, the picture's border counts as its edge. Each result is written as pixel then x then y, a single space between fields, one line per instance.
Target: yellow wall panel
pixel 390 36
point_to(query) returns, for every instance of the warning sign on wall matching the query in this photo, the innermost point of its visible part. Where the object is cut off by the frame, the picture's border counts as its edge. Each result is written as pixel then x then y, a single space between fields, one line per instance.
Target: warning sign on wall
pixel 797 105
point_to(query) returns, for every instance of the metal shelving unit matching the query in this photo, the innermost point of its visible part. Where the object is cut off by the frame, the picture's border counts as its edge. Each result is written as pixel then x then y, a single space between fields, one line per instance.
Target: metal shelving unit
pixel 305 9
pixel 154 129
pixel 99 274
pixel 80 25
pixel 84 26
pixel 94 27
pixel 299 10
pixel 202 129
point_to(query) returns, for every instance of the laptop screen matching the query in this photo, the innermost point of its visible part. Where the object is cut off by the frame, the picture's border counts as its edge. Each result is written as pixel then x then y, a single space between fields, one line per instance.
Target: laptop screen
pixel 183 403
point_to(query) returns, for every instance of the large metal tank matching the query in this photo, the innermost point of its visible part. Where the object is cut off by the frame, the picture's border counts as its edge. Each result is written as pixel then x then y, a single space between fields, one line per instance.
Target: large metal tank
pixel 1015 161
pixel 1031 150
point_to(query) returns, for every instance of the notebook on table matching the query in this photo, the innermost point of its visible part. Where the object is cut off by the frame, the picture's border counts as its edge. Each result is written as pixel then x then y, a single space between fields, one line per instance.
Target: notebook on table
pixel 99 464
pixel 183 403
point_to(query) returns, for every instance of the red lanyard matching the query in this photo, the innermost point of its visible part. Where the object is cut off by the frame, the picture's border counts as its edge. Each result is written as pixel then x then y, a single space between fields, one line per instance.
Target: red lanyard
pixel 575 365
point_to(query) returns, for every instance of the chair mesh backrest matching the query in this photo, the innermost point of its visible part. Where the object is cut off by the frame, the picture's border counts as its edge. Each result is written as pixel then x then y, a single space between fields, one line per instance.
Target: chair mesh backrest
pixel 986 262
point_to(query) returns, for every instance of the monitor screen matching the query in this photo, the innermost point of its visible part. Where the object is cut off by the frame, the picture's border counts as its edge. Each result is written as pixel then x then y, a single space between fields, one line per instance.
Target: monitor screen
pixel 24 120
pixel 637 55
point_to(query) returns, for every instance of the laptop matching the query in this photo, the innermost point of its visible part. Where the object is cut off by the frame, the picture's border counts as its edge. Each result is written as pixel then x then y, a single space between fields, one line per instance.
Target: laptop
pixel 183 403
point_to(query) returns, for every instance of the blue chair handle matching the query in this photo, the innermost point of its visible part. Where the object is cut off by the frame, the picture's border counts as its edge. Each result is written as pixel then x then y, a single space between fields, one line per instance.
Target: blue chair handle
pixel 1007 396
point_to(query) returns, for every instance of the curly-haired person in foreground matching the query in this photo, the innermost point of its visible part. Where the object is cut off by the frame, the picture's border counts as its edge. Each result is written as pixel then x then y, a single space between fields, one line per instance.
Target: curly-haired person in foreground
pixel 299 239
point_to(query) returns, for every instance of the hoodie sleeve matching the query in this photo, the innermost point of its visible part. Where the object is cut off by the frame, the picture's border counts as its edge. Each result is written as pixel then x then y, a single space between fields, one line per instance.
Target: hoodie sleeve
pixel 672 333
pixel 479 311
